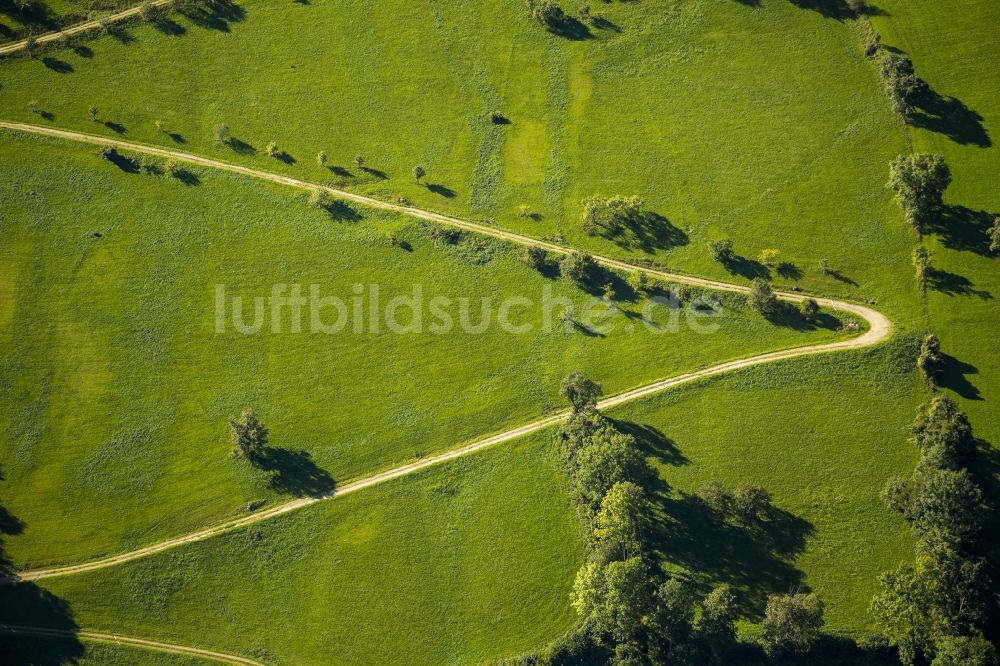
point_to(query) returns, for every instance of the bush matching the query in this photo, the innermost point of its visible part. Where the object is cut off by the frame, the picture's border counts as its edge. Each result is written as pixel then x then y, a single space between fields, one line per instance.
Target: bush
pixel 581 392
pixel 769 256
pixel 221 132
pixel 546 12
pixel 272 149
pixel 993 234
pixel 107 152
pixel 930 361
pixel 809 309
pixel 535 257
pixel 762 298
pixel 922 262
pixel 902 85
pixel 578 267
pixel 919 181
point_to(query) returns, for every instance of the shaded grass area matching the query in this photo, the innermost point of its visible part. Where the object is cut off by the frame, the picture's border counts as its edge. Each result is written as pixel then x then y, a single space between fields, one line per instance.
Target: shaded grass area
pixel 24 651
pixel 821 434
pixel 457 564
pixel 722 116
pixel 116 386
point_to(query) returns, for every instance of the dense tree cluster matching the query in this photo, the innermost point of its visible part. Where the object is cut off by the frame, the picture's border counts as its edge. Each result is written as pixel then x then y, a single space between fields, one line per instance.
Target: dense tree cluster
pixel 902 85
pixel 933 610
pixel 919 181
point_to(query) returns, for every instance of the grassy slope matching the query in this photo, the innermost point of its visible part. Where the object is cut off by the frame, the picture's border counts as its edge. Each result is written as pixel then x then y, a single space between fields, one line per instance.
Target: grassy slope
pixel 114 433
pixel 457 564
pixel 723 116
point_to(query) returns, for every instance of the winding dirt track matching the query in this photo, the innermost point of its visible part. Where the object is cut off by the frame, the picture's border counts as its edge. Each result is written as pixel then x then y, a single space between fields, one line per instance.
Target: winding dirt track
pixel 97 637
pixel 80 28
pixel 879 328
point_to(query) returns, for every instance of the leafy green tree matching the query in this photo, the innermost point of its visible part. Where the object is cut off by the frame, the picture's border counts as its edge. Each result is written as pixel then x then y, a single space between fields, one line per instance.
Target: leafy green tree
pixel 546 12
pixel 248 434
pixel 792 623
pixel 419 172
pixel 919 181
pixel 581 392
pixel 673 613
pixel 221 132
pixel 947 505
pixel 272 149
pixel 762 298
pixel 930 361
pixel 606 458
pixel 905 610
pixel 612 213
pixel 943 434
pixel 750 503
pixel 897 494
pixel 622 518
pixel 535 257
pixel 320 199
pixel 902 85
pixel 578 267
pixel 722 250
pixel 638 281
pixel 717 626
pixel 626 599
pixel 965 651
pixel 809 309
pixel 716 497
pixel 922 261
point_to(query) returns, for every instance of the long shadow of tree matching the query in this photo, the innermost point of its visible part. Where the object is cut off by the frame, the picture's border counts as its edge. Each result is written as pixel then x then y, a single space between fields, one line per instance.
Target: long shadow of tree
pixel 294 473
pixel 952 375
pixel 787 315
pixel 745 267
pixel 647 231
pixel 835 9
pixel 26 604
pixel 33 15
pixel 964 229
pixel 216 14
pixel 954 284
pixel 949 116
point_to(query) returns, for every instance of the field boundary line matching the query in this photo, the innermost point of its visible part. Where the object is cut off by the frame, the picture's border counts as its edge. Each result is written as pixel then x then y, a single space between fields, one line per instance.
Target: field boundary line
pixel 879 329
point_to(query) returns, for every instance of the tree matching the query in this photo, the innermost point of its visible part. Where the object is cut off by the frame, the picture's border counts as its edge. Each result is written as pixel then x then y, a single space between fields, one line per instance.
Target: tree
pixel 222 133
pixel 904 611
pixel 419 172
pixel 994 235
pixel 769 256
pixel 897 494
pixel 638 281
pixel 248 434
pixel 319 199
pixel 92 110
pixel 33 106
pixel 919 181
pixel 160 125
pixel 272 149
pixel 172 168
pixel 922 259
pixel 750 503
pixel 809 309
pixel 943 434
pixel 606 458
pixel 546 12
pixel 792 622
pixel 719 612
pixel 536 257
pixel 360 161
pixel 321 158
pixel 673 613
pixel 30 46
pixel 578 267
pixel 965 651
pixel 930 361
pixel 902 85
pixel 611 213
pixel 722 250
pixel 762 298
pixel 626 599
pixel 947 505
pixel 581 392
pixel 621 520
pixel 716 497
pixel 107 152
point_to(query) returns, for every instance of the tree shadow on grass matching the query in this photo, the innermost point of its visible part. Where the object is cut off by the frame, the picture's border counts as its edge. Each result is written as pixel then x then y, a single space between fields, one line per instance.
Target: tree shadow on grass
pixel 216 14
pixel 949 116
pixel 295 473
pixel 835 9
pixel 653 443
pixel 340 171
pixel 953 284
pixel 240 147
pixel 176 137
pixel 961 228
pixel 744 267
pixel 381 175
pixel 26 604
pixel 124 162
pixel 57 65
pixel 647 231
pixel 122 34
pixel 952 375
pixel 788 270
pixel 788 315
pixel 758 558
pixel 285 158
pixel 442 190
pixel 83 51
pixel 571 28
pixel 168 26
pixel 187 177
pixel 117 128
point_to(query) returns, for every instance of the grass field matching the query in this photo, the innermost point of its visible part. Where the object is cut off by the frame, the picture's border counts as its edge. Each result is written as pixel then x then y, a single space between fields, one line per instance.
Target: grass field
pixel 762 122
pixel 457 564
pixel 118 387
pixel 722 116
pixel 42 652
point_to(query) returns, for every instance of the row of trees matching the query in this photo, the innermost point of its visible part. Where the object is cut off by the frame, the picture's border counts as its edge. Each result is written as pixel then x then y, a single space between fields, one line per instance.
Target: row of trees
pixel 627 605
pixel 933 609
